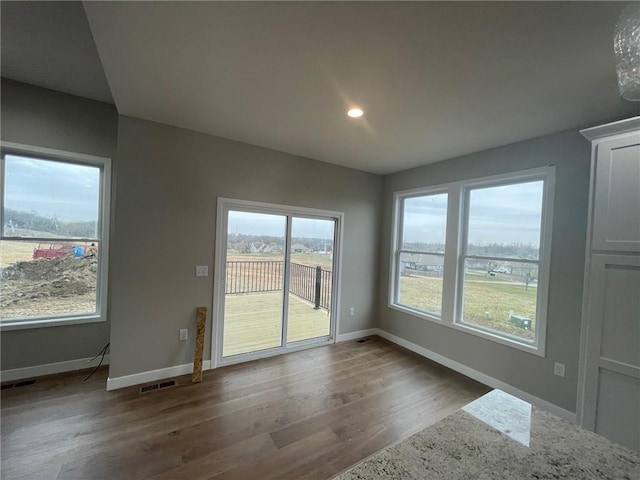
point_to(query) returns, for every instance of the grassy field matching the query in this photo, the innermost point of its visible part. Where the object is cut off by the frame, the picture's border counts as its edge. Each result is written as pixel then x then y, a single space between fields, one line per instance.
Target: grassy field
pixel 488 301
pixel 12 252
pixel 421 293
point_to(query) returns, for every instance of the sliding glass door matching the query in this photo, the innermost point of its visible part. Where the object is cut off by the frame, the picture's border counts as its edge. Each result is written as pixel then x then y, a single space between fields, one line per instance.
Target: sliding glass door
pixel 310 279
pixel 275 279
pixel 254 282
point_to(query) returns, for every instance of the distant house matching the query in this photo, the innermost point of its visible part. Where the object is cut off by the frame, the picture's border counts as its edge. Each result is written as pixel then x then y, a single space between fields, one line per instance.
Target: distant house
pixel 257 247
pixel 299 248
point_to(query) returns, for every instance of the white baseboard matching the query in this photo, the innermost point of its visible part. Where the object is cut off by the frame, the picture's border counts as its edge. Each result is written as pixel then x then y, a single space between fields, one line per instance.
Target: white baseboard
pixel 345 337
pixel 162 373
pixel 153 375
pixel 50 368
pixel 479 376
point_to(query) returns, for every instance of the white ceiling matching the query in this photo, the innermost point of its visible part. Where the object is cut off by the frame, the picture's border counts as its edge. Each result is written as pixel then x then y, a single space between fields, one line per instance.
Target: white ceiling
pixel 436 79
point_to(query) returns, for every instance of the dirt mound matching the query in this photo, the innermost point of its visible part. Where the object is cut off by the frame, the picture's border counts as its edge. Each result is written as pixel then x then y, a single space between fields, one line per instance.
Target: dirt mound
pixel 61 277
pixel 53 269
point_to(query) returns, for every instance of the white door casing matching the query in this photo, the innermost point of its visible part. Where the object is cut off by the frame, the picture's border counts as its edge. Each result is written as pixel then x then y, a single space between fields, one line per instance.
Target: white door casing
pixel 224 206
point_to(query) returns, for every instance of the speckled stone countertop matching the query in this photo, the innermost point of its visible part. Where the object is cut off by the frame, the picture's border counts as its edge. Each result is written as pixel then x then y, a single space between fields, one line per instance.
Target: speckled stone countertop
pixel 499 437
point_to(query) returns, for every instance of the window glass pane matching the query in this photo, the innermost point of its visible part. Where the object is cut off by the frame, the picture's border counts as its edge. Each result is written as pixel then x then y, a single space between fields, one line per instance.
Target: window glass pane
pixel 40 279
pixel 501 296
pixel 425 223
pixel 50 199
pixel 420 282
pixel 505 221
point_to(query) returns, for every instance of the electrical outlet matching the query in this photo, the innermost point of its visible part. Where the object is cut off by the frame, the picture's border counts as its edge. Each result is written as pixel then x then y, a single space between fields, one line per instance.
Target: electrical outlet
pixel 184 334
pixel 202 271
pixel 352 311
pixel 558 369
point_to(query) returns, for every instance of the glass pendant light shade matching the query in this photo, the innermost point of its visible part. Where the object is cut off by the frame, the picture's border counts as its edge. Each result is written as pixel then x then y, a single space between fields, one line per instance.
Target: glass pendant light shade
pixel 626 44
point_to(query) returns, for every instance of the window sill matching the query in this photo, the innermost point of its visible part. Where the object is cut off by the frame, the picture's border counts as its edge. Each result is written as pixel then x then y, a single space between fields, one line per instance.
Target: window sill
pixel 49 322
pixel 495 337
pixel 537 350
pixel 416 313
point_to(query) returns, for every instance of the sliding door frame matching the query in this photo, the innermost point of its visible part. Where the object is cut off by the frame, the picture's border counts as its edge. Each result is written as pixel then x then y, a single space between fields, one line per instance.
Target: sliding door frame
pixel 224 206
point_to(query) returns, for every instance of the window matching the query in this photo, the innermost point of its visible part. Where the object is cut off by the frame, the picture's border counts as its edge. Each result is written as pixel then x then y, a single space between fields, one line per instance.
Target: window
pixel 501 258
pixel 420 258
pixel 53 244
pixel 485 270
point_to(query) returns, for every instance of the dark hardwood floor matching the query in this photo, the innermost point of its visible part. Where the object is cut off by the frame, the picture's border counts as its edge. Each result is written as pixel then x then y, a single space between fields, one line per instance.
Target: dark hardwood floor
pixel 305 415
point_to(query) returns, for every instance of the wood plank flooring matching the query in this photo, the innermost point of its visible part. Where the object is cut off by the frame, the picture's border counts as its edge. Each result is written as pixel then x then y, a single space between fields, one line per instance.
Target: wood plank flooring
pixel 304 415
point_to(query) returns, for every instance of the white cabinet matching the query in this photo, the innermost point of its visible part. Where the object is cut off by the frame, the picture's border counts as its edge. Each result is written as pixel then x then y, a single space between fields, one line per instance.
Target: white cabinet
pixel 609 386
pixel 616 196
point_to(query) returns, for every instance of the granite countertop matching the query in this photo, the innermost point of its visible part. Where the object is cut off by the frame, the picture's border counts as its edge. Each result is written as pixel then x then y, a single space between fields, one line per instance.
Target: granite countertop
pixel 500 437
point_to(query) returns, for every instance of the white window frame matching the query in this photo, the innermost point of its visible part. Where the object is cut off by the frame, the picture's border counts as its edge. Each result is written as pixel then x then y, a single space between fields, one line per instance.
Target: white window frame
pixel 399 200
pixel 9 148
pixel 453 275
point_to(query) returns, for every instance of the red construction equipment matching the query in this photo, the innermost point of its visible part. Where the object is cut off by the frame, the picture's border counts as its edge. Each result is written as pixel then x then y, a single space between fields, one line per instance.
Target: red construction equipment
pixel 52 250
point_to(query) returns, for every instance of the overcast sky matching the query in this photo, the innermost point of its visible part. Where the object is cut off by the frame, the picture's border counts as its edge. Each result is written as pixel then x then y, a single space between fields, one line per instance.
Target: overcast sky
pixel 52 189
pixel 425 219
pixel 275 225
pixel 504 215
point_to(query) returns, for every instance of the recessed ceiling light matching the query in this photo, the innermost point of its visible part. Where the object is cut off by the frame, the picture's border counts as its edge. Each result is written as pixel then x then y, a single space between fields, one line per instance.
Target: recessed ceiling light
pixel 355 112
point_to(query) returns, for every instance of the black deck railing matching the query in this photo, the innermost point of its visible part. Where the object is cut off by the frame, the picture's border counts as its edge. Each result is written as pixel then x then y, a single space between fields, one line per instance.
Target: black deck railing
pixel 252 276
pixel 309 283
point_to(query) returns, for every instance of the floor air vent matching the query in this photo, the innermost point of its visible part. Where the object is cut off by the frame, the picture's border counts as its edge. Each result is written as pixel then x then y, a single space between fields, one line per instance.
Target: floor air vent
pixel 158 386
pixel 365 340
pixel 22 383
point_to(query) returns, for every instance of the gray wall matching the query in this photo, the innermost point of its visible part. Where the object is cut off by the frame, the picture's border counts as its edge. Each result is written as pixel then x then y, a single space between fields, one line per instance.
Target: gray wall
pixel 44 118
pixel 570 153
pixel 163 224
pixel 168 183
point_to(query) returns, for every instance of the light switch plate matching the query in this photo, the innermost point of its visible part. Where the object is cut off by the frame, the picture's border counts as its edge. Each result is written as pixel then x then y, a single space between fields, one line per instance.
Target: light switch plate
pixel 202 271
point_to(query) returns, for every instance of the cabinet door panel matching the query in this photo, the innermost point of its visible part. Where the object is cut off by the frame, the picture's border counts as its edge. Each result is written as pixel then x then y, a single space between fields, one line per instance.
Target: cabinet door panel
pixel 619 393
pixel 620 313
pixel 616 212
pixel 613 353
